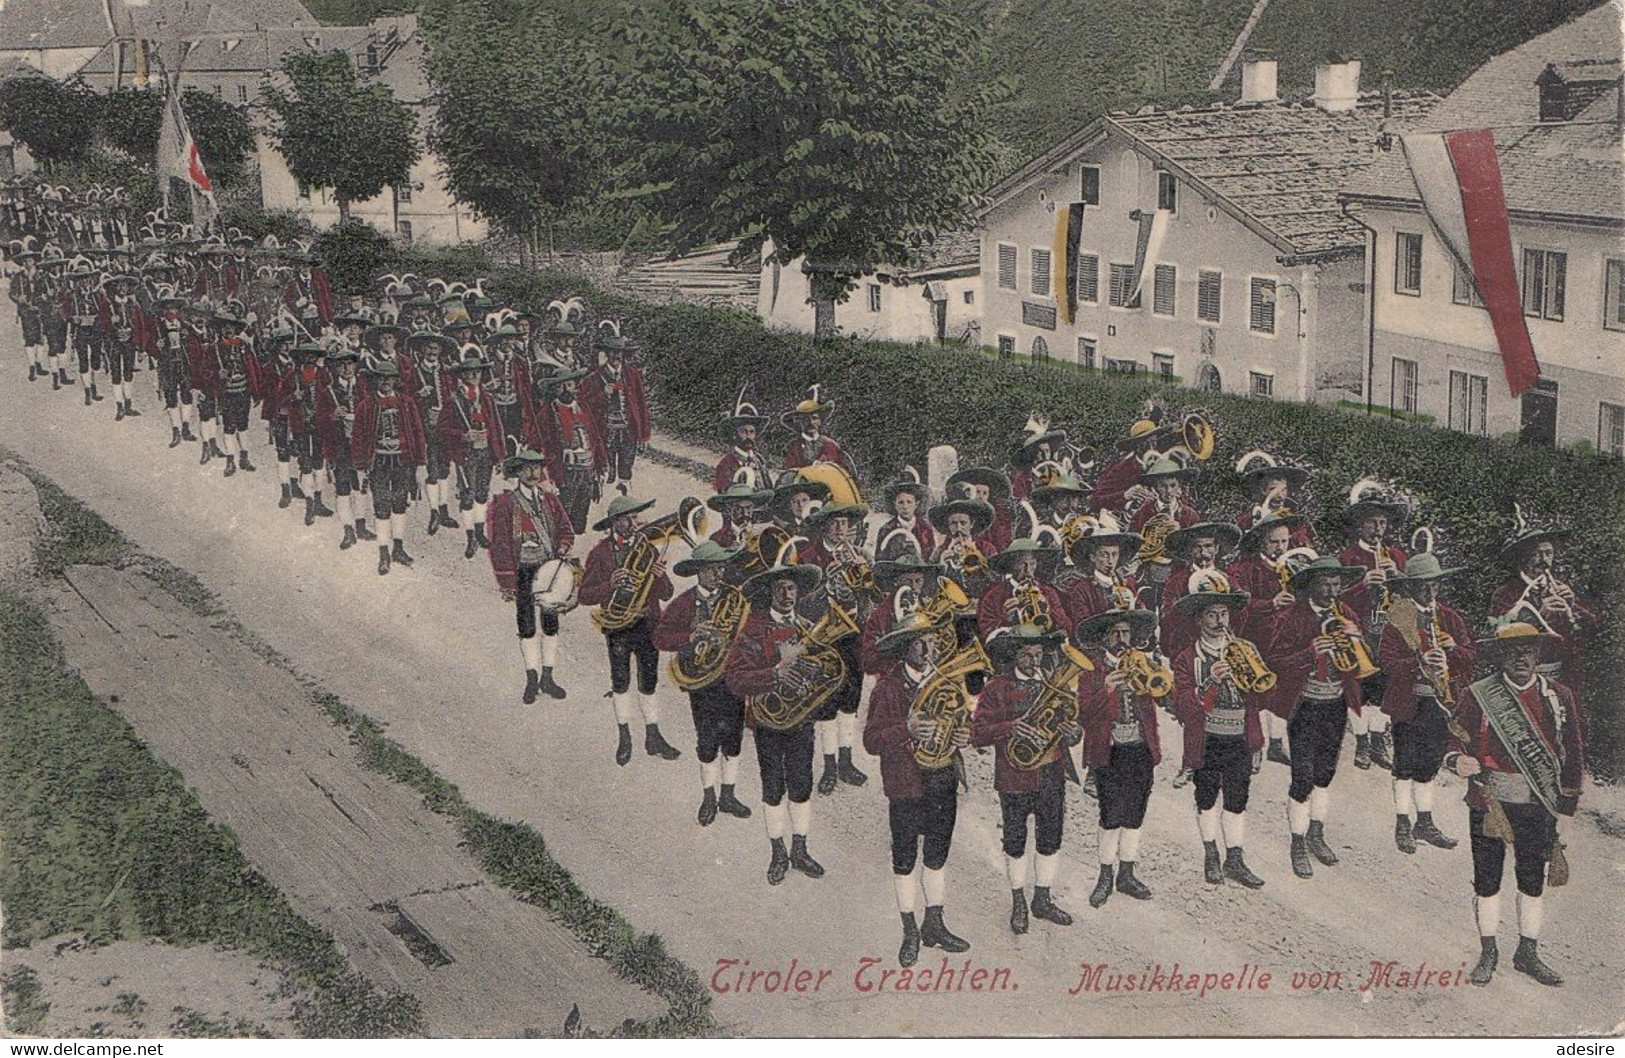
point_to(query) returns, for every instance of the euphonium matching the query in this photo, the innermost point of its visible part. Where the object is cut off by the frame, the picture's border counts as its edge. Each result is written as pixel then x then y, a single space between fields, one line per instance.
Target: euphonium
pixel 1145 676
pixel 1056 705
pixel 948 603
pixel 702 665
pixel 626 603
pixel 818 672
pixel 1349 653
pixel 943 697
pixel 1247 667
pixel 1034 608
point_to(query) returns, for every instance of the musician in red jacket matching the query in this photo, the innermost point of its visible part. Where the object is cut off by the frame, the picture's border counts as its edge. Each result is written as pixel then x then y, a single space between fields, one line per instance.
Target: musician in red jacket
pixel 574 445
pixel 762 661
pixel 1023 592
pixel 1369 519
pixel 606 574
pixel 1119 488
pixel 906 580
pixel 905 499
pixel 1274 488
pixel 470 435
pixel 510 386
pixel 336 399
pixel 837 548
pixel 1534 593
pixel 742 428
pixel 1517 740
pixel 235 383
pixel 922 803
pixel 1120 745
pixel 1314 697
pixel 1037 793
pixel 388 443
pixel 529 533
pixel 1416 675
pixel 308 294
pixel 1221 726
pixel 619 399
pixel 1166 512
pixel 1195 550
pixel 1100 557
pixel 738 504
pixel 200 369
pixel 808 443
pixel 992 487
pixel 1259 573
pixel 123 326
pixel 687 625
pixel 296 403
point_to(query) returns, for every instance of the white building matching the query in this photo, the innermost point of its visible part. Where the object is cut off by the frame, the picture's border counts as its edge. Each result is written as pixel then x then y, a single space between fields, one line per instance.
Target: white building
pixel 1554 105
pixel 1256 288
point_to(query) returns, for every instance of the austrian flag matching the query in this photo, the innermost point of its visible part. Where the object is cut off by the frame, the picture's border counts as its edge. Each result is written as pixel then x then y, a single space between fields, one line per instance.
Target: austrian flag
pixel 1459 178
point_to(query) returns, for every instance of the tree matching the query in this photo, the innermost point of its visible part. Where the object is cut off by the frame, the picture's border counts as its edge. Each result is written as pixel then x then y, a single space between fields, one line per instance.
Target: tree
pixel 128 120
pixel 842 130
pixel 337 133
pixel 514 113
pixel 55 121
pixel 224 135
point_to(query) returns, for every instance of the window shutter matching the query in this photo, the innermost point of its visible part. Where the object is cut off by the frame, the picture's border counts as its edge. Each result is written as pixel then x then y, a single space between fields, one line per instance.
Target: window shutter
pixel 1165 283
pixel 1089 279
pixel 1040 285
pixel 1208 287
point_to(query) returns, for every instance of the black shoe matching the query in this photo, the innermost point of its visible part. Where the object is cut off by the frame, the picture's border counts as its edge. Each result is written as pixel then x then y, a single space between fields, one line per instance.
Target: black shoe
pixel 831 776
pixel 550 687
pixel 362 532
pixel 473 547
pixel 934 933
pixel 1045 907
pixel 398 553
pixel 434 522
pixel 1379 751
pixel 56 382
pixel 93 394
pixel 1488 958
pixel 730 803
pixel 909 951
pixel 204 455
pixel 1235 869
pixel 848 772
pixel 623 746
pixel 1129 885
pixel 322 509
pixel 214 450
pixel 1526 960
pixel 186 432
pixel 779 865
pixel 1402 835
pixel 1089 789
pixel 1103 887
pixel 1425 830
pixel 802 860
pixel 1211 869
pixel 33 372
pixel 349 538
pixel 174 437
pixel 87 398
pixel 129 410
pixel 298 492
pixel 446 520
pixel 231 465
pixel 1316 840
pixel 1362 752
pixel 655 744
pixel 1277 753
pixel 383 561
pixel 479 536
pixel 708 807
pixel 1182 778
pixel 1302 865
pixel 310 507
pixel 1018 911
pixel 244 464
pixel 533 682
pixel 287 497
pixel 118 412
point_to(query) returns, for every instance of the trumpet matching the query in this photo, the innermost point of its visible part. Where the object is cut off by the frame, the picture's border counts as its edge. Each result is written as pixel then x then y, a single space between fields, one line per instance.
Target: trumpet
pixel 1247 667
pixel 1349 653
pixel 1146 676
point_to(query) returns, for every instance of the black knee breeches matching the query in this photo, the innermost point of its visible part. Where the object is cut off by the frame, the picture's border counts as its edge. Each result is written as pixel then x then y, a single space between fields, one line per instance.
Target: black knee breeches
pixel 1316 731
pixel 626 644
pixel 1226 766
pixel 1047 807
pixel 927 820
pixel 719 721
pixel 785 759
pixel 1533 831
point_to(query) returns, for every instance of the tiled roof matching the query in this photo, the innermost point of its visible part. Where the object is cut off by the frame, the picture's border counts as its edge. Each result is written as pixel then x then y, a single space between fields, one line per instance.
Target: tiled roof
pixel 1568 168
pixel 960 248
pixel 83 23
pixel 52 24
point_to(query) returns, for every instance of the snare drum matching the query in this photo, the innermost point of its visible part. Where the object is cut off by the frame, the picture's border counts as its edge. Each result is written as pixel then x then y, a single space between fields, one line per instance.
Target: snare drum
pixel 557 585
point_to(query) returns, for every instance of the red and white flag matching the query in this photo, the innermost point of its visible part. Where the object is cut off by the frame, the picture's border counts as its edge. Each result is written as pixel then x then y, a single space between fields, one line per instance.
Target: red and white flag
pixel 179 159
pixel 1459 178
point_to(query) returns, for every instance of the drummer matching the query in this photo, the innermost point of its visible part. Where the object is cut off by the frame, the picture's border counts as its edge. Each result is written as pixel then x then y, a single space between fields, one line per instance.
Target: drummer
pixel 530 537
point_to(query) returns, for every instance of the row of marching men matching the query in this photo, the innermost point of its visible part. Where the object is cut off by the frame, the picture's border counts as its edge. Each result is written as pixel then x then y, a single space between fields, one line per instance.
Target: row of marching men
pixel 1073 636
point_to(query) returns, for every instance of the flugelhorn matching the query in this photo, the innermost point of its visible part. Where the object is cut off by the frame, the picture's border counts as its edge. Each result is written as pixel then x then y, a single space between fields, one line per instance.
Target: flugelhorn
pixel 1145 676
pixel 1349 653
pixel 1247 667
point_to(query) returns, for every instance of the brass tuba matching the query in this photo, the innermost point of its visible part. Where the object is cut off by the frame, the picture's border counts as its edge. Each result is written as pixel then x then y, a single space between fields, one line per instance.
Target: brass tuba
pixel 943 697
pixel 1146 676
pixel 816 675
pixel 942 608
pixel 1247 667
pixel 649 542
pixel 701 666
pixel 1057 704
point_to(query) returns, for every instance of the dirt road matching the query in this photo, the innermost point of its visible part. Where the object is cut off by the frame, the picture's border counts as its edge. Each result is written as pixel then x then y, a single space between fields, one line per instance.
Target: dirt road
pixel 430 653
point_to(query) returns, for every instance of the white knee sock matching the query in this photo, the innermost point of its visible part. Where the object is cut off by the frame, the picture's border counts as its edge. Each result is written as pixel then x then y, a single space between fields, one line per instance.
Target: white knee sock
pixel 906 887
pixel 935 883
pixel 1404 801
pixel 344 510
pixel 777 818
pixel 709 769
pixel 1207 823
pixel 730 771
pixel 1235 829
pixel 1320 803
pixel 1378 722
pixel 1109 842
pixel 1360 722
pixel 550 648
pixel 175 418
pixel 825 730
pixel 801 817
pixel 1016 868
pixel 623 707
pixel 1487 910
pixel 846 725
pixel 1048 867
pixel 1130 848
pixel 1297 816
pixel 650 705
pixel 532 651
pixel 1424 796
pixel 479 513
pixel 1529 916
pixel 386 531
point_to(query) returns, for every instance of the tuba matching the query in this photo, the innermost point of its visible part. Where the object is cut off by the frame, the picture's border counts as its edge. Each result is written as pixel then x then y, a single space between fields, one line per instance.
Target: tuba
pixel 1145 675
pixel 817 674
pixel 701 666
pixel 943 697
pixel 1057 704
pixel 942 608
pixel 649 543
pixel 1350 653
pixel 1247 667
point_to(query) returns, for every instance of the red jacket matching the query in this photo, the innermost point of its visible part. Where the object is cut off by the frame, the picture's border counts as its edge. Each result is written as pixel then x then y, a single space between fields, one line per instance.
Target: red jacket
pixel 318 292
pixel 364 438
pixel 459 417
pixel 885 734
pixel 214 378
pixel 595 389
pixel 1097 710
pixel 800 454
pixel 676 626
pixel 330 418
pixel 1255 575
pixel 1085 598
pixel 729 465
pixel 1404 665
pixel 1177 631
pixel 1572 651
pixel 1358 598
pixel 754 655
pixel 1113 482
pixel 525 397
pixel 554 421
pixel 287 397
pixel 137 320
pixel 1191 708
pixel 1184 514
pixel 1005 699
pixel 1302 535
pixel 603 560
pixel 924 535
pixel 1291 654
pixel 991 614
pixel 1485 745
pixel 499 528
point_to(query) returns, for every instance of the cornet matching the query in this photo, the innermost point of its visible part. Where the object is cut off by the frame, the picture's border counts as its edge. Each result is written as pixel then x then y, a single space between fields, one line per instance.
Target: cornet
pixel 1144 676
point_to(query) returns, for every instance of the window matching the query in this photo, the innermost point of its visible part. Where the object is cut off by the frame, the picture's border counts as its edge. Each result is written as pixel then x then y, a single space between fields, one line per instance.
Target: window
pixel 1209 290
pixel 1260 385
pixel 1554 98
pixel 1167 193
pixel 404 230
pixel 1208 380
pixel 1089 186
pixel 242 93
pixel 1537 415
pixel 1007 266
pixel 1543 276
pixel 1122 284
pixel 1611 429
pixel 874 297
pixel 1086 353
pixel 1040 277
pixel 1402 386
pixel 219 91
pixel 1408 264
pixel 1040 350
pixel 1463 291
pixel 1261 308
pixel 1164 284
pixel 1613 295
pixel 970 297
pixel 403 192
pixel 1122 367
pixel 1089 279
pixel 1163 364
pixel 1468 397
pixel 1007 347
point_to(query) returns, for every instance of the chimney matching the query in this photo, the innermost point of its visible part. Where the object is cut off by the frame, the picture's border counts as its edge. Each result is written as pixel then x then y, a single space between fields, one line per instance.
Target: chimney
pixel 1337 86
pixel 1258 80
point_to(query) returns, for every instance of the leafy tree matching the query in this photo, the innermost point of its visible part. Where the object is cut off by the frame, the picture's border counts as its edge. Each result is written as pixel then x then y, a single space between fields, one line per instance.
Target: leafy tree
pixel 353 253
pixel 224 136
pixel 839 129
pixel 128 120
pixel 336 132
pixel 55 121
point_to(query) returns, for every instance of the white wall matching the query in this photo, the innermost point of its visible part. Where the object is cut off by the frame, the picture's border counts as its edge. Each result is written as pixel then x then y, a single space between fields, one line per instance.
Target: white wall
pixel 905 313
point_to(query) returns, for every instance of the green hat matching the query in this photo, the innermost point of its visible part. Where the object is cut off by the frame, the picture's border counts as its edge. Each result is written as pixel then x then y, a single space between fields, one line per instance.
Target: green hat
pixel 309 349
pixel 909 562
pixel 351 319
pixel 1513 550
pixel 471 361
pixel 706 553
pixel 343 356
pixel 447 347
pixel 1213 588
pixel 1223 533
pixel 384 369
pixel 1253 538
pixel 521 457
pixel 1128 543
pixel 795 483
pixel 817 520
pixel 370 337
pixel 912 626
pixel 1047 556
pixel 1063 485
pixel 620 505
pixel 909 482
pixel 1422 569
pixel 1324 564
pixel 740 491
pixel 559 378
pixel 1166 467
pixel 1097 626
pixel 1005 645
pixel 806 576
